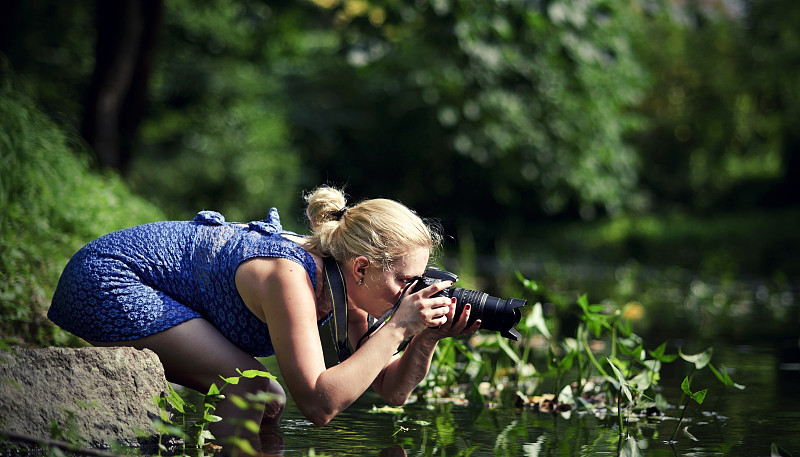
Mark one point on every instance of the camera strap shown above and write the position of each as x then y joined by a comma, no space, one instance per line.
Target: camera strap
338,292
383,319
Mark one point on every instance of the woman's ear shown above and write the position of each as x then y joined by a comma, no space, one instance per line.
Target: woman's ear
360,265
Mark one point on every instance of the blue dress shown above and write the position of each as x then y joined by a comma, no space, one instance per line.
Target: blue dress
142,280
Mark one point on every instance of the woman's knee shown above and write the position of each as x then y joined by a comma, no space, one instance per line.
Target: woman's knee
275,403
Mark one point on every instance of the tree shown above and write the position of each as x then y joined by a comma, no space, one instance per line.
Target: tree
126,41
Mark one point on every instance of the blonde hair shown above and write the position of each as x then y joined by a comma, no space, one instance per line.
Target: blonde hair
381,230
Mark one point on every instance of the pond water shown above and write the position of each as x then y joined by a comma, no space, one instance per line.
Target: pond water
730,422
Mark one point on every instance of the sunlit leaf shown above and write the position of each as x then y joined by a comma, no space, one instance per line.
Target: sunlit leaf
232,380
642,381
251,425
536,320
243,445
686,386
255,373
700,396
699,360
623,385
631,449
386,410
566,396
239,402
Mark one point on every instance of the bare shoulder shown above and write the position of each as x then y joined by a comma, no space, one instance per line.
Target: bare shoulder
266,282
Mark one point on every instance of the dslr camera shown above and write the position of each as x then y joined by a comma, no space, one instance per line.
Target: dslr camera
495,313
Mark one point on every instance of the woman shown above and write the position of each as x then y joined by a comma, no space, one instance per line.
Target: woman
209,296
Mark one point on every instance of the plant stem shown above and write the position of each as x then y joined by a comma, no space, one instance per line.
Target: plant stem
680,420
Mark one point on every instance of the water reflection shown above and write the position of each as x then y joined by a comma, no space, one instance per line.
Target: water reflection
730,423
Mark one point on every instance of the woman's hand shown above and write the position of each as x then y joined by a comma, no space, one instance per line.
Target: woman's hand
453,327
422,312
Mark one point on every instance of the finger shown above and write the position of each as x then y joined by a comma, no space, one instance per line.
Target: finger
444,302
474,327
436,287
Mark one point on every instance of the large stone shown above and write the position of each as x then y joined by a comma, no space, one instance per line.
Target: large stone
95,395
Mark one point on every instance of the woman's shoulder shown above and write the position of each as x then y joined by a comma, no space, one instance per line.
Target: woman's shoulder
260,269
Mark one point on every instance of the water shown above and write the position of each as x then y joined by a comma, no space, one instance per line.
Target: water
729,423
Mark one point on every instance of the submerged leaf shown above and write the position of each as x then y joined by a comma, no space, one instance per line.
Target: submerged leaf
689,435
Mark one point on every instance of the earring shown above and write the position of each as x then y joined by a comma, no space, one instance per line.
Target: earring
360,282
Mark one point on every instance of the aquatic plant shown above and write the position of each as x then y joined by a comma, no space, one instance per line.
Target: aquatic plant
604,366
175,412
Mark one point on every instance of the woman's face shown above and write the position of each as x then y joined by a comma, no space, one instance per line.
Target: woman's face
382,288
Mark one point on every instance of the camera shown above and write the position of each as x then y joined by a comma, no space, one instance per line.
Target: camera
495,313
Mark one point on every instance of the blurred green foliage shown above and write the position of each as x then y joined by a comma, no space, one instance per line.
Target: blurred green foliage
673,125
217,136
51,203
510,112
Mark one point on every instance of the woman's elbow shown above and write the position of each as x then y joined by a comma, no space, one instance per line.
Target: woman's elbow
318,416
396,399
320,421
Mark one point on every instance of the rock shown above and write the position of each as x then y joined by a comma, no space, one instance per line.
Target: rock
93,395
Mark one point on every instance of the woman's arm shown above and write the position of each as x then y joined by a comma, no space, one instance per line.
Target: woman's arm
404,373
281,289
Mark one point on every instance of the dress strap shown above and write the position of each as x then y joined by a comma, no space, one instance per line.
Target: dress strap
268,226
209,218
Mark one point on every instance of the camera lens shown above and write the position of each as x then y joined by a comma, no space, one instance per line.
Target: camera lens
495,313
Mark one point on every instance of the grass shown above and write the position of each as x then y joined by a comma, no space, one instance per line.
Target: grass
51,203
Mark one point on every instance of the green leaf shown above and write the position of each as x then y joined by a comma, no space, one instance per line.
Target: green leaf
635,352
255,373
251,425
232,380
239,402
642,381
533,286
699,360
243,445
658,354
623,385
631,449
503,343
699,396
686,386
724,378
536,320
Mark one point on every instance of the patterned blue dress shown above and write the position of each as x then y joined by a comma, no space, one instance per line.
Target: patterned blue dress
142,280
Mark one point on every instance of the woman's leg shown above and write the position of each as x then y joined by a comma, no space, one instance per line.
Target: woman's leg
195,354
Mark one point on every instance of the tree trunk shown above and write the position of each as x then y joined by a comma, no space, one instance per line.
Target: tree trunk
117,96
